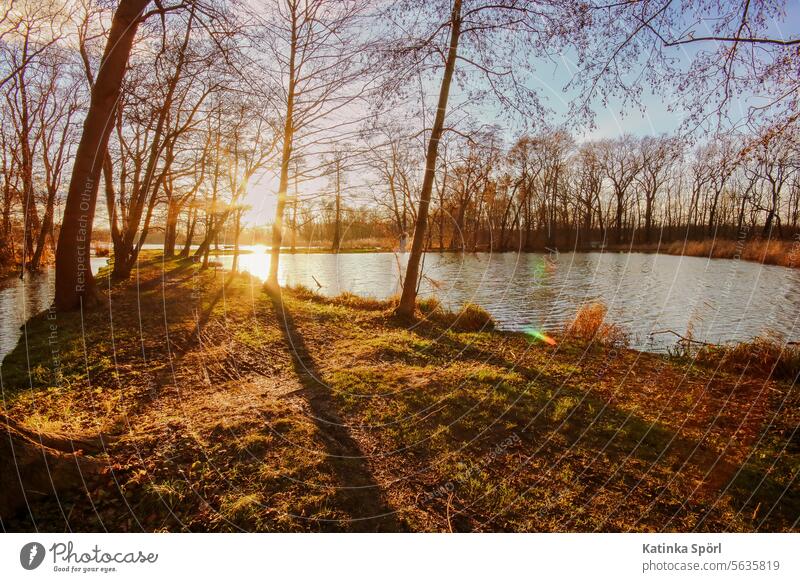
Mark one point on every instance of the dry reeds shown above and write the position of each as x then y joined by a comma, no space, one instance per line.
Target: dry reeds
763,356
590,325
101,249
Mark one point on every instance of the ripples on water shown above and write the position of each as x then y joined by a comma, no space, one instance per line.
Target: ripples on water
719,300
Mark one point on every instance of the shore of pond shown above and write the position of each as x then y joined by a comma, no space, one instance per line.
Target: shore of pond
228,407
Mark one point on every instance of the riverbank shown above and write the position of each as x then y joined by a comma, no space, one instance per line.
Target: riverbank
233,409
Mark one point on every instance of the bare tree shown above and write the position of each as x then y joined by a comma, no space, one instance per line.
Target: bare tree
319,70
734,51
75,285
657,154
479,35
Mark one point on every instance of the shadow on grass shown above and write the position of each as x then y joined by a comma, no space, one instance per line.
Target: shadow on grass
358,493
610,436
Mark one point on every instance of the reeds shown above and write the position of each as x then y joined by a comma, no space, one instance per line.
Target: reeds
590,325
766,356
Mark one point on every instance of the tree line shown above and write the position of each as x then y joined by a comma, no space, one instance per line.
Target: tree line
549,190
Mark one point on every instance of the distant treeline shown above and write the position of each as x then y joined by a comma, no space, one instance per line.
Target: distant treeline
547,190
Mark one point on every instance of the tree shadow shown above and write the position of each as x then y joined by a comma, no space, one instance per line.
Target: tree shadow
607,431
358,493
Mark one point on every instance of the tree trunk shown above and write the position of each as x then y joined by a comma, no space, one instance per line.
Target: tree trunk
337,227
38,464
75,286
191,221
237,229
620,202
648,218
171,228
409,296
44,230
286,156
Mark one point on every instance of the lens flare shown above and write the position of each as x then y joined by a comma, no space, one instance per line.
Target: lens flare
536,334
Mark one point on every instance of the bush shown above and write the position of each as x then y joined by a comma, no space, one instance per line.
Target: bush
590,325
470,317
101,250
429,305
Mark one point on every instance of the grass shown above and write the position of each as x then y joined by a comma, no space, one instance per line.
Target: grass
768,252
234,410
760,357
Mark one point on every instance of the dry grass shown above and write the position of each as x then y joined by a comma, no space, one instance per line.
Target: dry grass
590,325
470,317
101,249
358,302
763,357
380,243
768,252
429,305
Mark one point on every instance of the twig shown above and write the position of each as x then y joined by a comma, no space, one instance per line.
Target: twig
436,284
449,524
683,338
319,285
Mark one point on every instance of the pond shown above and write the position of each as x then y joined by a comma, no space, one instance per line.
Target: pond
21,299
718,300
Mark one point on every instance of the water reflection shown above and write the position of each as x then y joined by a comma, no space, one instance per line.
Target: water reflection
20,299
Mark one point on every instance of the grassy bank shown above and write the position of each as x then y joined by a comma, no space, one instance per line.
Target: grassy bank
232,409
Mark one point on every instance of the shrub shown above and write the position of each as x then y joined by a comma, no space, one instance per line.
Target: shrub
429,305
470,317
590,325
101,250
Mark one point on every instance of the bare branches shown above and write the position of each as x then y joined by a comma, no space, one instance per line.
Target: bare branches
735,52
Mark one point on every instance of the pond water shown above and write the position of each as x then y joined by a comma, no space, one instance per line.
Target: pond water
20,299
718,300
